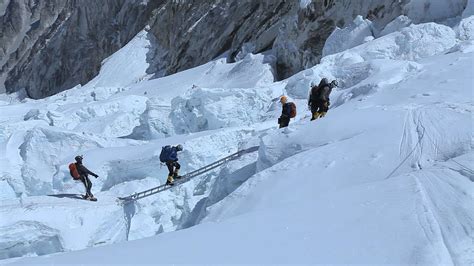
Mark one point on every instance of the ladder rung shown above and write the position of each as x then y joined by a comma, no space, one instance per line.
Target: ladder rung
188,176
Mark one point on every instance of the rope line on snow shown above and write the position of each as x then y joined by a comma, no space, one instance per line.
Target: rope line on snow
409,154
423,133
452,159
187,177
463,166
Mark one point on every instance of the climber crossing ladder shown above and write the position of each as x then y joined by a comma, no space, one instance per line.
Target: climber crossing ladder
185,178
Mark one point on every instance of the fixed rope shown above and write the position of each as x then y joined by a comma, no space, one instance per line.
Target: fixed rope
420,138
438,149
187,177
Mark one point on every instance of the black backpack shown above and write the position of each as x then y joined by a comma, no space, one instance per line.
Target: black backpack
315,93
165,153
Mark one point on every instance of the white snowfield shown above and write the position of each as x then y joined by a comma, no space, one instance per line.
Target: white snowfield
385,178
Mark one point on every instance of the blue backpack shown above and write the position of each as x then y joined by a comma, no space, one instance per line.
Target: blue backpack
165,153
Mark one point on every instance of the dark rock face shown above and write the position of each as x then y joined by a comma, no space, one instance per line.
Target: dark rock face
196,31
52,45
302,35
47,46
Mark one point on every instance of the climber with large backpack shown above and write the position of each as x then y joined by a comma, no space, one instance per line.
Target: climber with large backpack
288,111
79,172
169,156
318,101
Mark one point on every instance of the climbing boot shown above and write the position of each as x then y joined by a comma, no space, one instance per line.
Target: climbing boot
315,115
170,180
176,175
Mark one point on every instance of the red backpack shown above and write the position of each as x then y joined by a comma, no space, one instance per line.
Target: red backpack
73,171
292,109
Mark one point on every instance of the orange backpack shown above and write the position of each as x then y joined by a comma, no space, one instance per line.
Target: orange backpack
292,110
73,171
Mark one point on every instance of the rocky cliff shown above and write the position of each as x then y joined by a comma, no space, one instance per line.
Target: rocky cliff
47,46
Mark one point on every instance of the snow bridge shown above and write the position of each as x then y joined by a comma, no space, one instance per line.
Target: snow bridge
185,178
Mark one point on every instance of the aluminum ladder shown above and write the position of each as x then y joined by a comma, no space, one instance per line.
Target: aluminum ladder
185,178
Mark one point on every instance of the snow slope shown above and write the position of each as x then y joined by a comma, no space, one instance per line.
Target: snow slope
386,177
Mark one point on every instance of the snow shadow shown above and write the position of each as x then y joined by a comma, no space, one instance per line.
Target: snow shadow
71,196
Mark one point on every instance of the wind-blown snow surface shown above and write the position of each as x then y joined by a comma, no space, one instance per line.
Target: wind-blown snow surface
386,177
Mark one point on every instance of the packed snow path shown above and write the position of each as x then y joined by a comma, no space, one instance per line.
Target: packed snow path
185,178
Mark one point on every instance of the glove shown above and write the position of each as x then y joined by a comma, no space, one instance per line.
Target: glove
279,120
96,176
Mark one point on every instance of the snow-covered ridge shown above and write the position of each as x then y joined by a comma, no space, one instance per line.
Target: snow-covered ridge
385,177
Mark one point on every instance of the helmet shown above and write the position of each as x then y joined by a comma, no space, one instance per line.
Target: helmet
78,158
283,99
334,83
179,147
